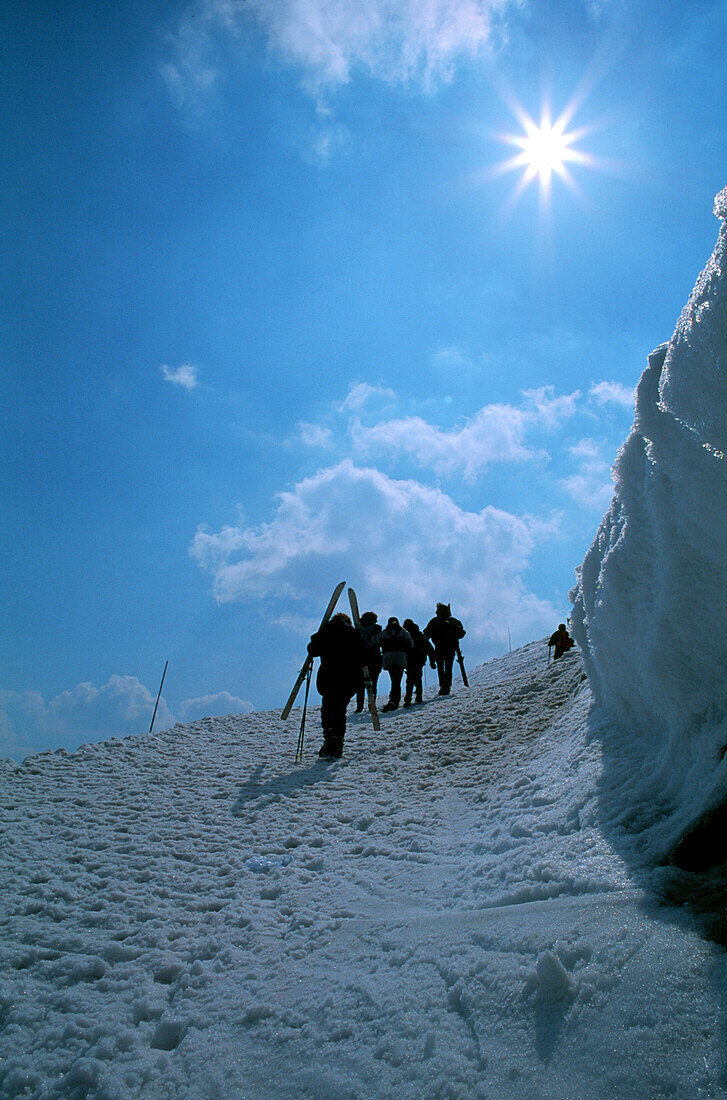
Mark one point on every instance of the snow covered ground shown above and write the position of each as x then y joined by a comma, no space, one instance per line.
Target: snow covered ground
460,907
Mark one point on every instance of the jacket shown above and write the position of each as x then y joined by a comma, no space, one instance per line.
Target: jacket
396,645
562,641
445,632
343,653
371,634
422,649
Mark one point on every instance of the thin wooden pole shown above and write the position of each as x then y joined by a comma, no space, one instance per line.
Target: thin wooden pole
158,697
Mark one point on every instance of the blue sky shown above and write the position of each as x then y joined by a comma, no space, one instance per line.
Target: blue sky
274,318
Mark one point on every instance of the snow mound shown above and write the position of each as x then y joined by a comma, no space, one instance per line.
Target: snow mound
650,608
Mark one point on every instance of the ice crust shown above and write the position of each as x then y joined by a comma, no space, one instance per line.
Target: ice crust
650,605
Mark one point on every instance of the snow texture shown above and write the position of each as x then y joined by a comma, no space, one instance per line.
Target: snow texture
453,910
650,608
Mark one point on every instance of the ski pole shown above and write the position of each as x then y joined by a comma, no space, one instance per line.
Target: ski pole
301,735
158,697
548,665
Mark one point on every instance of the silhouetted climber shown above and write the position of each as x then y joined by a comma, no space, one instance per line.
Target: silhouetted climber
421,649
342,652
371,633
445,632
395,648
562,641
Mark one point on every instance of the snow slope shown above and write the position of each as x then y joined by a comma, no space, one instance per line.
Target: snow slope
455,909
651,604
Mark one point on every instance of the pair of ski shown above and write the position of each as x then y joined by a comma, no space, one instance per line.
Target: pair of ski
306,670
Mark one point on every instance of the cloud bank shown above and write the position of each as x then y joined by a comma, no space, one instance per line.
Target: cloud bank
213,706
403,546
87,713
120,708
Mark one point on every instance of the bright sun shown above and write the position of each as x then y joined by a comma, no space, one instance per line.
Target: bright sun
546,149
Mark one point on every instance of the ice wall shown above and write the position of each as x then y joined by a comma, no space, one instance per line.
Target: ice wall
650,605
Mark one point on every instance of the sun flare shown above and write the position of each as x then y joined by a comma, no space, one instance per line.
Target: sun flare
546,149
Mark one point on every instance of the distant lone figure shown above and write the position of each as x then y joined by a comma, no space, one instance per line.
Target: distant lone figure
562,641
445,632
342,652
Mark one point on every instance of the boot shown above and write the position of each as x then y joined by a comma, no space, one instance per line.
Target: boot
328,748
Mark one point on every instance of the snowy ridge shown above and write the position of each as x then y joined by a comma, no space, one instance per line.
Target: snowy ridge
651,602
440,914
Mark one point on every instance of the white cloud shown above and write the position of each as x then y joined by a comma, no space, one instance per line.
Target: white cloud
396,40
497,433
451,358
453,362
361,394
596,8
591,485
185,375
190,71
213,706
547,409
123,706
605,393
329,141
403,546
314,435
393,40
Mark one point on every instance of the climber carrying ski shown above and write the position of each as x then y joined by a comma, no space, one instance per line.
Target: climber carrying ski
562,641
342,651
371,633
445,632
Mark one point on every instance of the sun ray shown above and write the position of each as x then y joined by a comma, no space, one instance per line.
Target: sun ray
544,150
